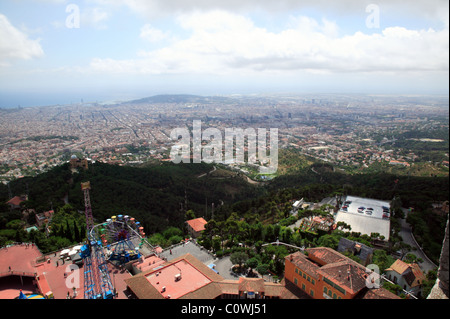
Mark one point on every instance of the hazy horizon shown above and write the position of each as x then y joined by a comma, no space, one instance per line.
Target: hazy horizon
59,52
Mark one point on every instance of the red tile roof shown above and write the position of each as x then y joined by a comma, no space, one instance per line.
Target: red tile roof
412,273
197,224
339,269
16,200
399,267
325,255
348,276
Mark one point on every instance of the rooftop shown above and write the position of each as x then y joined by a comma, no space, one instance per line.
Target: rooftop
197,224
183,276
50,271
177,279
339,269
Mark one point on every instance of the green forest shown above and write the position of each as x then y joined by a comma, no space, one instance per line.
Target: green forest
159,196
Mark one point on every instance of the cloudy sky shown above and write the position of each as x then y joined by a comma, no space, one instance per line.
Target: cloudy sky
62,51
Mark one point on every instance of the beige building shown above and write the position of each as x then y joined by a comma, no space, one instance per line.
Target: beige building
196,226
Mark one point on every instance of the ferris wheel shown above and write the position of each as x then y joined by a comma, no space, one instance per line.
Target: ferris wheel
122,235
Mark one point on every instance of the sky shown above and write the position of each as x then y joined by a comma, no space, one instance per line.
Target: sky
65,51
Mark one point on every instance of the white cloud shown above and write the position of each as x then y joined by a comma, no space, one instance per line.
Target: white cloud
152,34
221,42
94,17
432,9
16,44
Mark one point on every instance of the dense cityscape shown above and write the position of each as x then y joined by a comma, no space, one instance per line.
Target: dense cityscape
351,132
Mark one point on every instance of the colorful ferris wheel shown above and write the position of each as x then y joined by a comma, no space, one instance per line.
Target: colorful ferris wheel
122,236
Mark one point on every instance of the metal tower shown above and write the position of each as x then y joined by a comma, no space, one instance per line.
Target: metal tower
97,282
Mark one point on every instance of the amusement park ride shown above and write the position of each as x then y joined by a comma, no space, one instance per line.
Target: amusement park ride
114,241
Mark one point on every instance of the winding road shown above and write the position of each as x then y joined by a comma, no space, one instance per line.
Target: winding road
408,238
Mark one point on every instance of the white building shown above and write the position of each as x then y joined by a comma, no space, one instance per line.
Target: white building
408,276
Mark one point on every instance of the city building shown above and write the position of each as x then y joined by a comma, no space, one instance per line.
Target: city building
186,277
75,162
196,226
44,218
320,273
15,202
408,276
324,273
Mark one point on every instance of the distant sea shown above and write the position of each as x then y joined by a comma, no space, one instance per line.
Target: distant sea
15,100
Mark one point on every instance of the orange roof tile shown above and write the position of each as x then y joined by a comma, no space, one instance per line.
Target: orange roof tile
399,266
197,224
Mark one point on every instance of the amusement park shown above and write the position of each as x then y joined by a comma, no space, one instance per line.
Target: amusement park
116,261
92,270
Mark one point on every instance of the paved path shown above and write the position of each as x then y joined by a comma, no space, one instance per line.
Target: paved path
223,265
190,247
407,236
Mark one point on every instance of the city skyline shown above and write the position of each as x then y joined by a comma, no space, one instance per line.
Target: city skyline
59,52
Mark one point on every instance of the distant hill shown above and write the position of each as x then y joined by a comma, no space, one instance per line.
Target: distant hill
182,98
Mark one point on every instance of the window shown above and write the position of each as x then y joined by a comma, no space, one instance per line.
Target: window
332,284
296,270
304,275
334,296
313,281
325,290
309,279
295,281
311,292
303,287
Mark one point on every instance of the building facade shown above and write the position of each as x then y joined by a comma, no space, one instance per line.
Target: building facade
324,273
408,276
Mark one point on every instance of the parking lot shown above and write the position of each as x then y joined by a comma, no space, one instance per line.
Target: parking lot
364,220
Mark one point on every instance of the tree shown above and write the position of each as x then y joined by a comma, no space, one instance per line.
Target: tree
262,269
330,241
172,231
175,239
269,233
216,243
232,228
239,258
190,214
286,235
342,225
76,232
252,263
157,239
382,259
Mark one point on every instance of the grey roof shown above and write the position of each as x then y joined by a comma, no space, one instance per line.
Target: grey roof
349,245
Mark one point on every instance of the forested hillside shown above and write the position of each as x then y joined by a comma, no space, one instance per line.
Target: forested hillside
159,196
155,195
